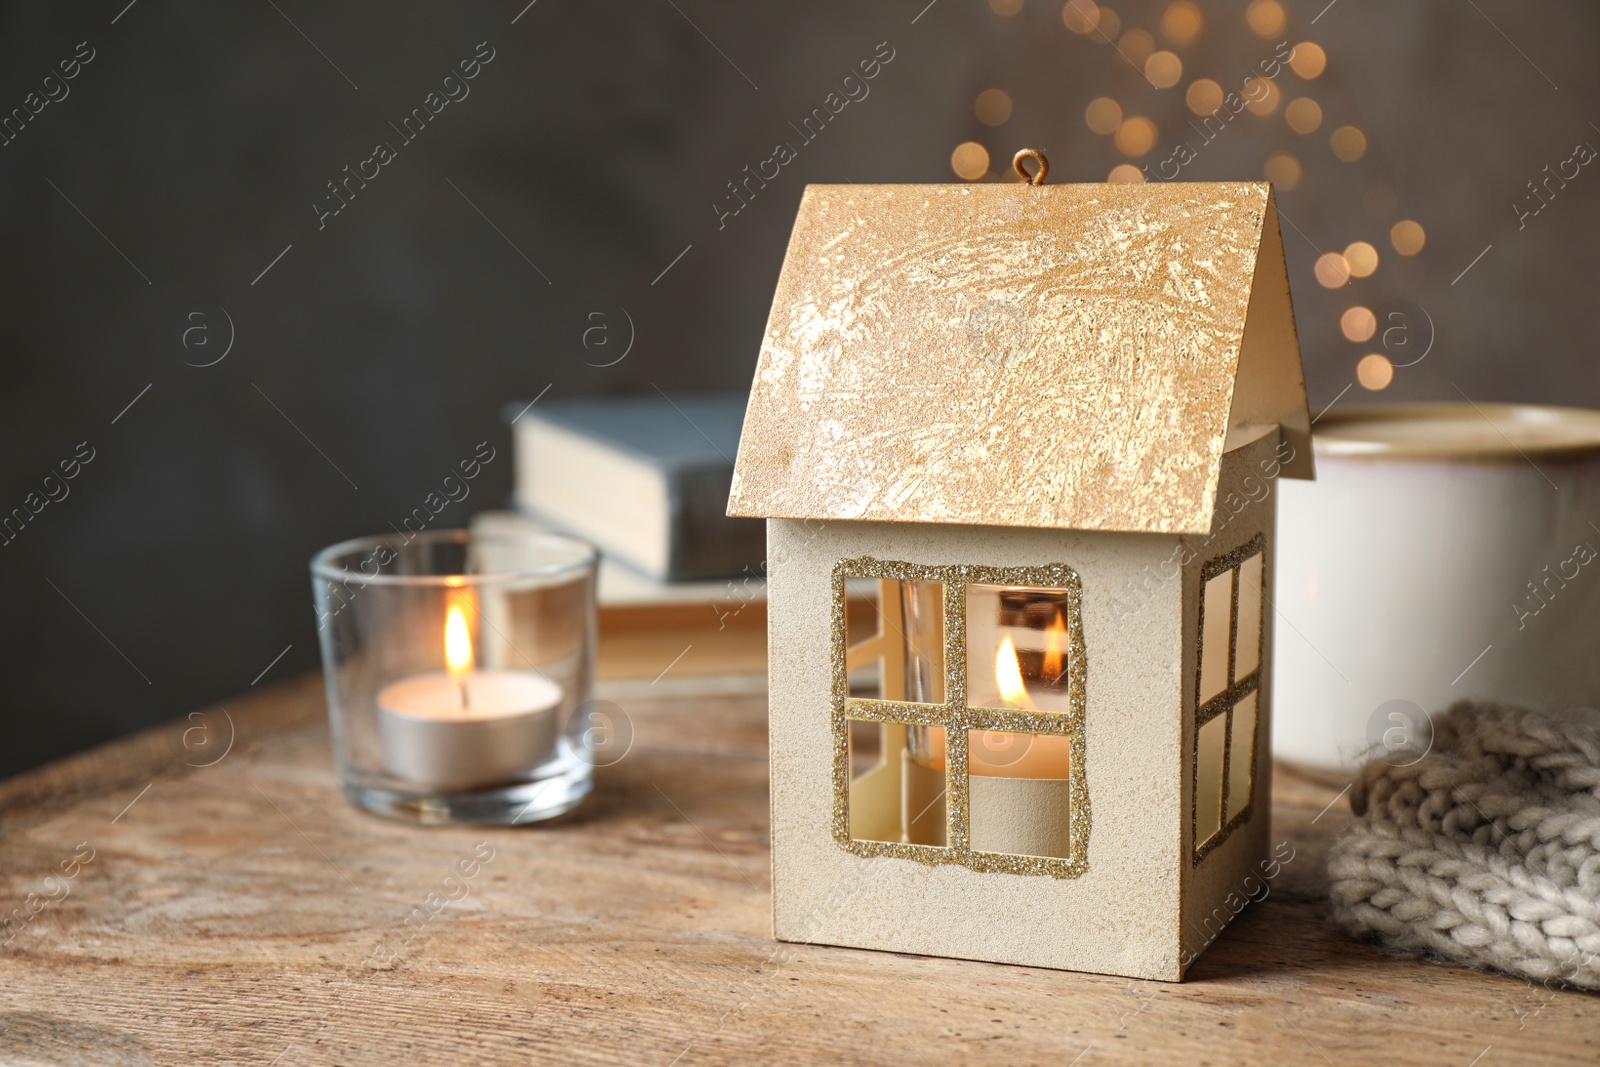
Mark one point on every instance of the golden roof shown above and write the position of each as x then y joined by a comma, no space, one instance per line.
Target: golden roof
1062,356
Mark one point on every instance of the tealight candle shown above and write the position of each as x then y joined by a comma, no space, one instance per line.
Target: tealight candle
463,728
459,665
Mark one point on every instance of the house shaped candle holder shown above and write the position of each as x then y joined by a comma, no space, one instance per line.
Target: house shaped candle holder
1045,422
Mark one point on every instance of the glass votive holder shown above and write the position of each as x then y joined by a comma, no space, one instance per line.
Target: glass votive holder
457,665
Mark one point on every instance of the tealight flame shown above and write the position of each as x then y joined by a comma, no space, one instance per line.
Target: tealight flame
1008,675
1055,649
458,643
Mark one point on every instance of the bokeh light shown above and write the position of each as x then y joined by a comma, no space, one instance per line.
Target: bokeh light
1331,270
970,161
1308,60
1137,46
1163,69
1125,172
1103,115
1136,136
1303,115
1358,323
993,107
1180,22
1349,143
1283,170
1081,16
1374,372
1266,17
1363,259
1005,8
1203,96
1259,101
1106,30
1408,237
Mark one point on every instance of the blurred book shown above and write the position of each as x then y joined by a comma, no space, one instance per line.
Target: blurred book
671,638
644,478
660,638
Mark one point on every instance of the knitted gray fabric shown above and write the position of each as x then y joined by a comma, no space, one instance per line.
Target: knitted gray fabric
1486,852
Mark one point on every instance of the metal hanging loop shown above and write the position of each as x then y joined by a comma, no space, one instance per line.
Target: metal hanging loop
1036,178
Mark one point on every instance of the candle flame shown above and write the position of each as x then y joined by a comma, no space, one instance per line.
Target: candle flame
1055,648
1008,675
457,643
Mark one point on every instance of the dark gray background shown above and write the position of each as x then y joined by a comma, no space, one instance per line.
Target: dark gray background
596,141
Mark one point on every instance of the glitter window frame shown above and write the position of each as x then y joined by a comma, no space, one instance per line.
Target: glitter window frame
1224,702
957,718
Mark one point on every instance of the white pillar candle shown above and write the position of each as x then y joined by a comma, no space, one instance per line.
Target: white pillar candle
468,730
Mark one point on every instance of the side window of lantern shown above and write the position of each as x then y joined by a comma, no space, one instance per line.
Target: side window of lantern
1227,693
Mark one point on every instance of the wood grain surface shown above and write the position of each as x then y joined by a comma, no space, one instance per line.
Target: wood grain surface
244,913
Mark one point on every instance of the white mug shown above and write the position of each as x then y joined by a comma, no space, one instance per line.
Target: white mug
1444,551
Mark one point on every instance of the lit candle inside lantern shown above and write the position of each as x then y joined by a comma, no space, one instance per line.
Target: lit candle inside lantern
993,753
1000,754
1008,675
464,728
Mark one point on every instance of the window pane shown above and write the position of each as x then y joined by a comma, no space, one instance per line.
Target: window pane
875,765
1002,754
1216,615
1208,780
1020,813
1241,750
895,649
922,803
1017,648
1248,652
873,810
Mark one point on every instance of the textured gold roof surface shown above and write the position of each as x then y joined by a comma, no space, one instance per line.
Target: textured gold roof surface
1053,356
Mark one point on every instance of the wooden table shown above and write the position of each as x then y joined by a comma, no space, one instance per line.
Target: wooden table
244,913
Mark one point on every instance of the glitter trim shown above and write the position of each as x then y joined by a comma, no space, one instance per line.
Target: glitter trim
1224,702
957,718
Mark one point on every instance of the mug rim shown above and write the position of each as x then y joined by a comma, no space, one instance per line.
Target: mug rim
1576,431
